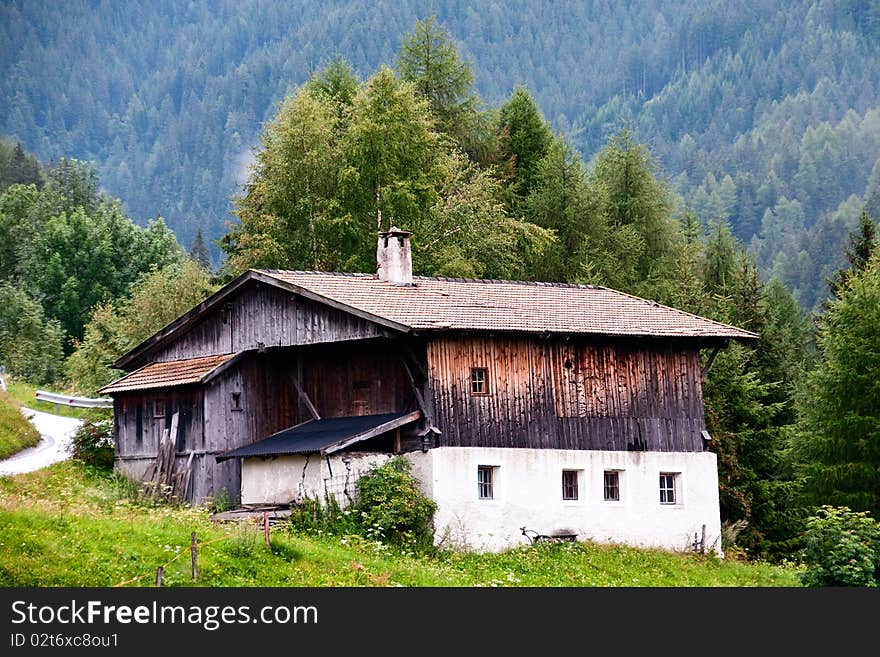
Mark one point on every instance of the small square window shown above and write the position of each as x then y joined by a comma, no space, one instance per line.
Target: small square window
159,408
667,487
612,486
479,381
569,484
485,482
236,401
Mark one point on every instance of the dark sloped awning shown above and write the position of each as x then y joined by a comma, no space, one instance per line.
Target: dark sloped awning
326,435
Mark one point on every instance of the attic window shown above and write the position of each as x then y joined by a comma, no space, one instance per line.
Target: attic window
159,408
479,381
236,401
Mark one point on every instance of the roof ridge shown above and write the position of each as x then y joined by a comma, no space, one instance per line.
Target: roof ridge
445,279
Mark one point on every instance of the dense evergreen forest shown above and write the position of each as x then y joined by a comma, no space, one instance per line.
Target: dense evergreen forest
728,169
765,114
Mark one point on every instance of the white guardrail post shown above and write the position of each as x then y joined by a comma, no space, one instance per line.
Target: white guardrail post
79,402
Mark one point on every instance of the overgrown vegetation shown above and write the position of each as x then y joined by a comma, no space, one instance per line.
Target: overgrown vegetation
389,507
71,525
16,433
842,549
92,444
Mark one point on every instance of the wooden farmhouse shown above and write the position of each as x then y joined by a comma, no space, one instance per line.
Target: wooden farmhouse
556,407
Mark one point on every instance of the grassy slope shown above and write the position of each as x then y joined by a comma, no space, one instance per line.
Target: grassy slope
16,433
66,526
24,394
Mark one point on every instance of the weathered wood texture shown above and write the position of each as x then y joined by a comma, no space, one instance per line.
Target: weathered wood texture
264,315
257,397
357,379
138,429
580,395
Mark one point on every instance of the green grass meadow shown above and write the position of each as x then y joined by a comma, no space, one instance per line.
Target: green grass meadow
69,525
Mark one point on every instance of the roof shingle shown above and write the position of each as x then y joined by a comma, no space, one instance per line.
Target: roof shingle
166,375
490,305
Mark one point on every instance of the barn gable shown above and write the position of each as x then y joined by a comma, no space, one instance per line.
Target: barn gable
254,312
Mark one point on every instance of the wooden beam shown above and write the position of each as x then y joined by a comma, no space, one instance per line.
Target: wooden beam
305,399
372,433
420,400
302,393
705,370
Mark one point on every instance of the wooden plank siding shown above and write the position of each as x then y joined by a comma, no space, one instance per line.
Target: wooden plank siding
138,431
357,379
583,394
264,315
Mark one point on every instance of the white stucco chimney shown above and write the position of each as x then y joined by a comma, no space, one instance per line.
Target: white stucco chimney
394,257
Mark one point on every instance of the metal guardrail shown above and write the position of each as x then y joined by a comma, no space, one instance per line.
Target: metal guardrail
79,402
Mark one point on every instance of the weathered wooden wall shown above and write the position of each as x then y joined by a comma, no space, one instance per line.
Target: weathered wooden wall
612,395
262,314
356,379
138,432
342,379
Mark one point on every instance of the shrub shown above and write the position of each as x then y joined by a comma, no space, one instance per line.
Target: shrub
393,507
93,443
842,549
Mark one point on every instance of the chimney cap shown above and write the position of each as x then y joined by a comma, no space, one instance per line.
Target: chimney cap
394,231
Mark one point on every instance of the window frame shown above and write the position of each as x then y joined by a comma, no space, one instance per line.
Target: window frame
235,401
572,486
484,485
159,408
670,488
484,381
615,487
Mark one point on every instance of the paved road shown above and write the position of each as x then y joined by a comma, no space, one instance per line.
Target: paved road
56,431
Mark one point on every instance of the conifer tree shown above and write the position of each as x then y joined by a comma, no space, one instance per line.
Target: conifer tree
429,59
837,443
199,250
862,243
527,138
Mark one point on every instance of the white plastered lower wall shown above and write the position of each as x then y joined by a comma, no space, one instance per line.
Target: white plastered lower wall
291,478
527,492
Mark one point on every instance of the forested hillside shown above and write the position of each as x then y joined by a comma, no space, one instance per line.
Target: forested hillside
766,114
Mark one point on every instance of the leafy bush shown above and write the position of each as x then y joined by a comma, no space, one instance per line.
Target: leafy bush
93,443
843,549
393,507
390,508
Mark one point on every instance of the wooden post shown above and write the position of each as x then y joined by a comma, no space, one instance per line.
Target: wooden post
703,541
194,549
159,572
266,527
397,441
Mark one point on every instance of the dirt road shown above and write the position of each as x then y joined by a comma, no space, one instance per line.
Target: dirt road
56,431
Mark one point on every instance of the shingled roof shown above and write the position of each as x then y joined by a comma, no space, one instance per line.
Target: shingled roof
166,375
437,303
